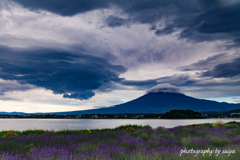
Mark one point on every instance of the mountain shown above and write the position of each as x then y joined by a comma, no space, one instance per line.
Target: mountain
161,102
13,113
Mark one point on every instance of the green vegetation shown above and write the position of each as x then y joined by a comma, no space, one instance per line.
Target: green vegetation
173,114
181,114
67,132
131,142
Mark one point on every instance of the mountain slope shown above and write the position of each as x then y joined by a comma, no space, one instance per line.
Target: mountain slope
161,102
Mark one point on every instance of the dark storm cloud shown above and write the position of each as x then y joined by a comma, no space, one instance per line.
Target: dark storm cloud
152,11
203,86
221,20
208,63
143,11
6,86
64,7
77,76
218,20
200,86
199,20
73,75
176,80
226,70
113,21
72,7
218,23
165,31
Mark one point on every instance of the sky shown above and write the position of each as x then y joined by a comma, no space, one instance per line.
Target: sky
71,55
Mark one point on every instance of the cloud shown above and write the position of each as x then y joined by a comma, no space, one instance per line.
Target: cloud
154,11
70,8
207,63
74,75
165,31
80,48
64,7
196,20
9,86
178,80
225,70
223,19
131,49
113,21
164,87
220,22
203,87
141,84
141,11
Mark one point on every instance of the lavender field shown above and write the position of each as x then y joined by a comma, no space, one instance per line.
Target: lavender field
129,142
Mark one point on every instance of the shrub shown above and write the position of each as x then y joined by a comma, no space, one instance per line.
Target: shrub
88,130
130,129
10,134
218,124
124,127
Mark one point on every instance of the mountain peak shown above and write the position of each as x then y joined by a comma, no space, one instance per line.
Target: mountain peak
164,88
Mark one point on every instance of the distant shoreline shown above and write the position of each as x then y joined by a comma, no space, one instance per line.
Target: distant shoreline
114,118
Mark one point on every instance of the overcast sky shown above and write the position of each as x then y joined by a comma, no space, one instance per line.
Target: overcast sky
82,54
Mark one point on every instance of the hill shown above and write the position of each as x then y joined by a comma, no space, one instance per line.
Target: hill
232,113
178,114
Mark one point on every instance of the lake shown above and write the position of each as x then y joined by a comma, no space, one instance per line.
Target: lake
72,124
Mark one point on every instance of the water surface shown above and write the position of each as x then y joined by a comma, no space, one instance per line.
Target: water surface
72,124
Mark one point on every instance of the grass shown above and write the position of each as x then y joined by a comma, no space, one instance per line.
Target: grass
67,132
133,142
